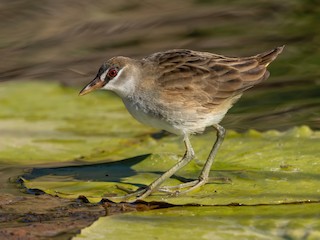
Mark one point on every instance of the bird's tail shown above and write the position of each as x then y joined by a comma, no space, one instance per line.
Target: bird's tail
267,57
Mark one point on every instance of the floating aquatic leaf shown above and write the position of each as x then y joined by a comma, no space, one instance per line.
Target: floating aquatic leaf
229,222
250,168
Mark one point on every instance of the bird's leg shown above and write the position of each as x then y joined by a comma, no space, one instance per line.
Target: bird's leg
204,175
142,193
188,156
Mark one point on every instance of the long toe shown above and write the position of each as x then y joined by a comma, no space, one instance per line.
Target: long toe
199,183
178,187
132,196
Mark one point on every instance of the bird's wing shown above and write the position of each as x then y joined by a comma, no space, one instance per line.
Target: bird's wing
208,78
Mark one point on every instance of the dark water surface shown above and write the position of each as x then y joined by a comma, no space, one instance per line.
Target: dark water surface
67,42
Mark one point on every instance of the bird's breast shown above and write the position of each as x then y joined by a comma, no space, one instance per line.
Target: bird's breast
149,115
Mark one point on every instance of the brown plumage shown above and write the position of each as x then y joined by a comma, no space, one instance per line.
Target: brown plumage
183,92
215,76
202,84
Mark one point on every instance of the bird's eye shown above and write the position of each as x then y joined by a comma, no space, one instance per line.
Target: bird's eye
112,72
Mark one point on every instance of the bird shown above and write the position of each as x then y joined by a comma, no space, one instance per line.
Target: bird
183,92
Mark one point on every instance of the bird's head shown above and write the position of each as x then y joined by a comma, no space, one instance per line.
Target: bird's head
117,74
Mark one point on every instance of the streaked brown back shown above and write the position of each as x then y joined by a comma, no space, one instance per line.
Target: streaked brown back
209,78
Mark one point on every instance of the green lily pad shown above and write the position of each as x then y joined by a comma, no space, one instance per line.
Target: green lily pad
46,123
247,222
102,147
264,168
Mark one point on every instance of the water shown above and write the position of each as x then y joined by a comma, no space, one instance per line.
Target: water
52,41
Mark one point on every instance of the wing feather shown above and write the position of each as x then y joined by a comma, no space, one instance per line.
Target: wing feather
207,79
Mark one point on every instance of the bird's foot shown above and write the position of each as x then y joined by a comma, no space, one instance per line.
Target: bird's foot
143,192
132,195
179,189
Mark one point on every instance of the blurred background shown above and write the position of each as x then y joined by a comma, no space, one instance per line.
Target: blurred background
66,41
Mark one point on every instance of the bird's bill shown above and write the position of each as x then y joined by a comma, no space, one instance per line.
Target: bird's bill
93,85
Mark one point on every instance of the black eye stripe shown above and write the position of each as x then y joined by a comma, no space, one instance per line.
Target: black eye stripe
102,69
